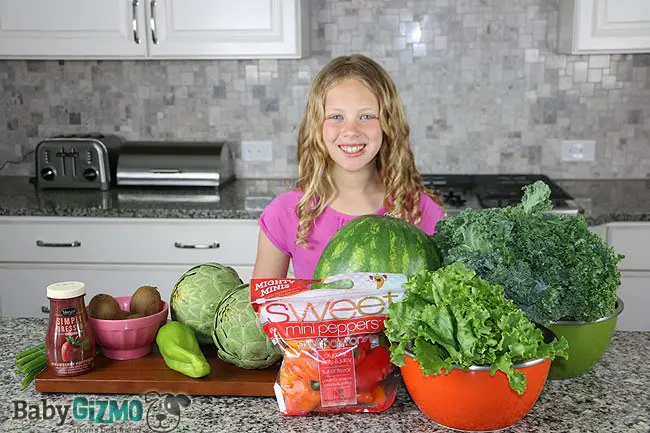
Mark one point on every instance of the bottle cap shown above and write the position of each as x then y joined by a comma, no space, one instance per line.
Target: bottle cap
66,290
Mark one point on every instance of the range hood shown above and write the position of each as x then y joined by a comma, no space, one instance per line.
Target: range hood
175,163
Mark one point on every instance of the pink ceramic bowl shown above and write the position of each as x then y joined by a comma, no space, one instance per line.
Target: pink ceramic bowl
128,338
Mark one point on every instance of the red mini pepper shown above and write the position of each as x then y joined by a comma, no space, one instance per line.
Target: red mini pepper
361,351
373,369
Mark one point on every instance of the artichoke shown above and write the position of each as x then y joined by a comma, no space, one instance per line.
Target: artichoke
197,294
238,334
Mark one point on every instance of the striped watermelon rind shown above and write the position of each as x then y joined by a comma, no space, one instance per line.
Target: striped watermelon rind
376,243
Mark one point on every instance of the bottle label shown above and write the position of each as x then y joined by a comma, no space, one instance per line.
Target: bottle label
70,343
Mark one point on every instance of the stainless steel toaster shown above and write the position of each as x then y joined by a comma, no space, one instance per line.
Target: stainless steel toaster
77,161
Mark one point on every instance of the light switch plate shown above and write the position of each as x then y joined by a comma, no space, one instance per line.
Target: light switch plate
257,151
578,150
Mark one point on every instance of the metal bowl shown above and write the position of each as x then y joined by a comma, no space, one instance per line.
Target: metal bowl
588,342
473,400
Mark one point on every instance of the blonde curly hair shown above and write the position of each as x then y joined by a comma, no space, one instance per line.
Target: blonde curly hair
394,161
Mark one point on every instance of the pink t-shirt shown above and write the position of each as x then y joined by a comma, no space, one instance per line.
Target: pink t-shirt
280,224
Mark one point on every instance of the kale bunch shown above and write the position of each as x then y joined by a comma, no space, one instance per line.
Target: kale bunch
551,266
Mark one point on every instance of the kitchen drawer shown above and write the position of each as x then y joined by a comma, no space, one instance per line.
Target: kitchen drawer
23,289
127,240
632,240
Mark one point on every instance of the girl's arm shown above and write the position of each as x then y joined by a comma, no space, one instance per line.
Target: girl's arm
270,261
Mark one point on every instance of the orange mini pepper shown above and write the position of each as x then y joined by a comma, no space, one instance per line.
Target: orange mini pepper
303,365
299,395
375,397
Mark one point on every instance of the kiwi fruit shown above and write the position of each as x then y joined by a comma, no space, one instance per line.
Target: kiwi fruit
146,300
104,307
124,314
134,316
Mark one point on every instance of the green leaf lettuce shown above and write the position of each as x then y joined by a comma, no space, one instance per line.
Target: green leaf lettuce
451,317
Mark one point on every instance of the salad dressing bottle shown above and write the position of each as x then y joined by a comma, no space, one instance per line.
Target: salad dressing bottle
69,343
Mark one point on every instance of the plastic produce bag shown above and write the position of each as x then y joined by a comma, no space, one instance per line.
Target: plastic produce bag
335,355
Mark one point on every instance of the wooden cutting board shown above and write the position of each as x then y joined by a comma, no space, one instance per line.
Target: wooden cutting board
139,376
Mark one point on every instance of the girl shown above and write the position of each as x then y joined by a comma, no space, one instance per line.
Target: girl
354,158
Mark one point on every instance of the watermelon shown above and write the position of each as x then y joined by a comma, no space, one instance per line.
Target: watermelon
375,243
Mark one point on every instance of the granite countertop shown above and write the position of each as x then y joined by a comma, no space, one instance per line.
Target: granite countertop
608,200
240,199
603,200
612,398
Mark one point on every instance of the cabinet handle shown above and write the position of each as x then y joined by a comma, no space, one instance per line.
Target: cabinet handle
136,35
73,244
154,33
197,246
45,309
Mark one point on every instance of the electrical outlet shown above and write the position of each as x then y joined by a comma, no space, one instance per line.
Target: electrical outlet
578,150
257,151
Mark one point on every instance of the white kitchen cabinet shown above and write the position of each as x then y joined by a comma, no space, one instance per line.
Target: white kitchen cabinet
604,26
112,255
129,240
65,29
23,293
242,29
600,230
635,293
154,29
632,239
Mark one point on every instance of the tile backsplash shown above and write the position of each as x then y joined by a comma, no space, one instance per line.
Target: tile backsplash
482,85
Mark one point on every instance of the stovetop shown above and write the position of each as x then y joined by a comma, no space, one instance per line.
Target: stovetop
481,191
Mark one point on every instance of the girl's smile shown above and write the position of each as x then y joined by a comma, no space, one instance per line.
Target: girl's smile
352,150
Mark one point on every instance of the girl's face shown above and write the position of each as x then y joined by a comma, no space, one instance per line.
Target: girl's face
351,129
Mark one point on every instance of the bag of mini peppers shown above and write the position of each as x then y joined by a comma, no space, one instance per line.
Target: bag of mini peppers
335,356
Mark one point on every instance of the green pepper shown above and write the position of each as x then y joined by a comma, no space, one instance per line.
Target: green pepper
180,350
